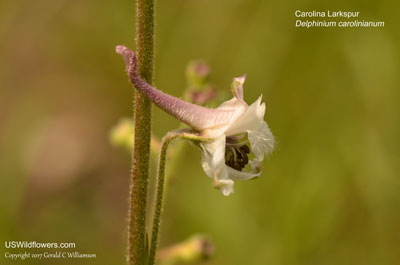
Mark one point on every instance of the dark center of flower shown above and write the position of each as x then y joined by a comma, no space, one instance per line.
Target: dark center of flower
236,156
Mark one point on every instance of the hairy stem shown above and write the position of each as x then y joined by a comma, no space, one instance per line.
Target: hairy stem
185,134
137,251
160,191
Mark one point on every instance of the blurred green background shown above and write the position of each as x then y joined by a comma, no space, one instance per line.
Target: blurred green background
329,194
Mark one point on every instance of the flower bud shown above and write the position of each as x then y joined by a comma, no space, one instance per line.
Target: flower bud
123,135
194,249
199,90
197,73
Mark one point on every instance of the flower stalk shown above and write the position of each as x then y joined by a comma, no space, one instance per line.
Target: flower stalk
160,191
137,251
169,138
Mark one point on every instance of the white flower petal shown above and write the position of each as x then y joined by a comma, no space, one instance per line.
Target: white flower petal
261,140
251,119
228,113
213,156
237,88
239,118
213,163
226,186
255,164
241,175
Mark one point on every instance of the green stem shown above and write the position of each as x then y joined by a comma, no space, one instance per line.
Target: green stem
171,136
137,251
160,191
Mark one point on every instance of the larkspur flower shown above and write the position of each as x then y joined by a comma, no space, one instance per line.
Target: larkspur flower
232,132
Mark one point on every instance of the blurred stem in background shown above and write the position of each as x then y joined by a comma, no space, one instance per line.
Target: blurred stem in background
137,239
